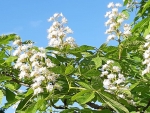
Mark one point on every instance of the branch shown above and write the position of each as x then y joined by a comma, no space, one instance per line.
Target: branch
58,107
19,82
95,106
15,80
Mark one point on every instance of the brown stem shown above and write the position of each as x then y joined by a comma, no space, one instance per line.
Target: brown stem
95,106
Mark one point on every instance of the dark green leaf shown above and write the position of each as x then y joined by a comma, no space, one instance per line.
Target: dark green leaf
10,96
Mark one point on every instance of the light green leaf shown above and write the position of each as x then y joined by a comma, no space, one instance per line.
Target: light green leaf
146,32
146,6
4,78
1,96
115,104
79,94
82,48
141,24
11,59
88,97
125,12
4,39
69,69
83,84
84,96
92,72
98,61
10,86
30,91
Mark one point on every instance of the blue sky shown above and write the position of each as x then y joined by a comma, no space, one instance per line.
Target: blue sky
28,19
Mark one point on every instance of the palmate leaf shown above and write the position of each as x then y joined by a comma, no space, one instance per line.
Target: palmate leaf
114,104
84,96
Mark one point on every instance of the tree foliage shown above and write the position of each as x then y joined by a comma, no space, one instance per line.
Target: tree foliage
100,80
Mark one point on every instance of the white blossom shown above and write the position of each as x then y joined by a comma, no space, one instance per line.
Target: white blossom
17,42
38,90
110,5
106,83
116,69
118,5
111,37
111,76
49,87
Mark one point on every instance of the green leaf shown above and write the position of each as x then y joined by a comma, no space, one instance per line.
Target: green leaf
141,24
114,103
134,85
32,108
4,78
146,32
2,54
69,69
125,2
84,96
1,96
10,86
52,48
127,92
24,102
61,59
10,96
10,103
146,6
98,61
54,60
4,39
29,92
83,84
59,69
11,59
82,48
79,94
92,72
126,13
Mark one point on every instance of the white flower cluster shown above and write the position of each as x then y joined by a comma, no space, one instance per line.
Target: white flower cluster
131,4
34,65
113,79
115,23
57,33
146,56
